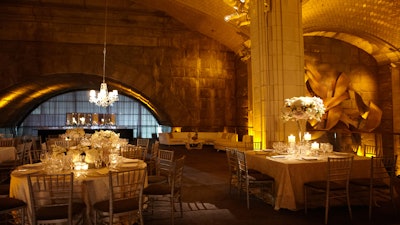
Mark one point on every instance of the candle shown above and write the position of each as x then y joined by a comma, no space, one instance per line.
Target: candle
307,136
315,146
291,139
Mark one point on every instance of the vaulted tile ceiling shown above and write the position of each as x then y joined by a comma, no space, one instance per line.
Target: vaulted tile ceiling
372,25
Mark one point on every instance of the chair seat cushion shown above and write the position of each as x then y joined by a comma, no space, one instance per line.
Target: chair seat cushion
377,183
157,179
10,203
120,206
157,189
321,185
58,212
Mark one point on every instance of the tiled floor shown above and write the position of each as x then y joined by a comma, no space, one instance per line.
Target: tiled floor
207,200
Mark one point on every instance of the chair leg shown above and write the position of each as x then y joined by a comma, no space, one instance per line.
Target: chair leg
349,205
326,208
371,201
305,200
172,210
180,205
247,195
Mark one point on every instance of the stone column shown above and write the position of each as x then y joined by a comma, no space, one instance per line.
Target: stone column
277,65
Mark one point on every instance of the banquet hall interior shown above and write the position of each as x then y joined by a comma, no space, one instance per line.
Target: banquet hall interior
201,76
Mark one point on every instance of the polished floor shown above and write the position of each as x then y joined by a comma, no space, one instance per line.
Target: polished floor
207,200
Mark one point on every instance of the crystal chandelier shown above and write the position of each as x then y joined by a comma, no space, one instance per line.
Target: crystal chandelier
104,98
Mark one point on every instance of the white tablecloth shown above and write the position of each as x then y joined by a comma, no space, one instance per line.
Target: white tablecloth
291,174
7,154
90,188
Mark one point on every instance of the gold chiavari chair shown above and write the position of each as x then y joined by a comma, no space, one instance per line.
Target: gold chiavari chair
250,180
336,184
381,181
125,199
170,191
164,162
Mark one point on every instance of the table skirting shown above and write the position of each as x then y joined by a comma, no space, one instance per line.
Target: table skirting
291,174
90,188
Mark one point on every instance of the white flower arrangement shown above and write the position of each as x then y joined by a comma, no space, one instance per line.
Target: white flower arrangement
303,108
74,134
105,139
58,150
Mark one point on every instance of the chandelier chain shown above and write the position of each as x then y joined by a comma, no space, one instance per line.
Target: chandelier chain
104,98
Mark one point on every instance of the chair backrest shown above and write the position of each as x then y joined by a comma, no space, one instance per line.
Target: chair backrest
143,142
370,150
154,150
7,142
177,175
242,163
51,190
34,156
383,168
232,160
339,168
126,187
164,163
23,152
132,152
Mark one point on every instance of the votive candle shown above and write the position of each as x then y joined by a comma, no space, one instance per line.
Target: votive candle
307,136
291,138
315,146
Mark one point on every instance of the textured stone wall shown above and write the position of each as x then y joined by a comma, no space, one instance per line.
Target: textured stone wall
187,77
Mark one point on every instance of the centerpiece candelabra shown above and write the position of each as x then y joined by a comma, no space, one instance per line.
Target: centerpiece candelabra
302,109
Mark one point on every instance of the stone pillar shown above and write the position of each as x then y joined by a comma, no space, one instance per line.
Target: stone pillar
277,65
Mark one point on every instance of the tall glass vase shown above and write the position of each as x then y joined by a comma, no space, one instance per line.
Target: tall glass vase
301,126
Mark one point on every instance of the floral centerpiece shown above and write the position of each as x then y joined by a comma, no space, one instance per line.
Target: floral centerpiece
104,139
301,109
74,134
102,143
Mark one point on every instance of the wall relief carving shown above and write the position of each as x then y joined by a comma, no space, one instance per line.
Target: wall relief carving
337,90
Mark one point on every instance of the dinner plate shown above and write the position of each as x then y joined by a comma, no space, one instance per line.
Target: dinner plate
267,150
32,165
21,172
278,156
309,158
126,160
128,165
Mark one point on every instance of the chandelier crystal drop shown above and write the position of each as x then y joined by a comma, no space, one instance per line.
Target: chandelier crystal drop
104,98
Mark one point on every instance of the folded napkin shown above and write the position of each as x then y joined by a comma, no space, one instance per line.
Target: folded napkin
127,160
278,156
309,158
103,171
22,172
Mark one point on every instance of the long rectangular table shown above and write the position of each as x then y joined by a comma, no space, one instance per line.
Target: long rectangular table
291,174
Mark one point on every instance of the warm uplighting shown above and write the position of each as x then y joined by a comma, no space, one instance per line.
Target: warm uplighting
104,98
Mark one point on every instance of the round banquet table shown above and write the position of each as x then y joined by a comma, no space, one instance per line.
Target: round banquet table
90,186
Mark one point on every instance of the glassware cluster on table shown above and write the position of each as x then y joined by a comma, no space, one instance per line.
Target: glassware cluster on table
302,149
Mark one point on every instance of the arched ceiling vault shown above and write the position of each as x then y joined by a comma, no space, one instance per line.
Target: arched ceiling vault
371,25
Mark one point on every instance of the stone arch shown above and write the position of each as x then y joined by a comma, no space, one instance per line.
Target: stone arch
19,100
